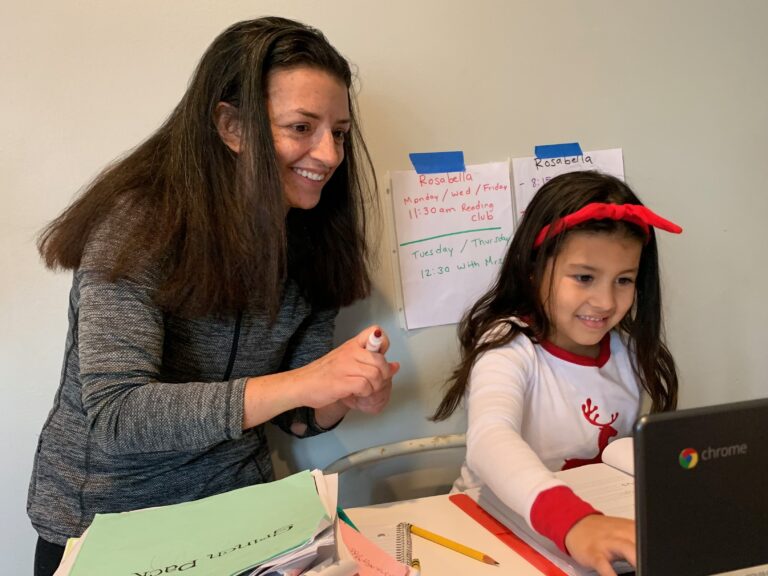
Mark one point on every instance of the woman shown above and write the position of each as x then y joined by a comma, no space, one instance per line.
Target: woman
209,265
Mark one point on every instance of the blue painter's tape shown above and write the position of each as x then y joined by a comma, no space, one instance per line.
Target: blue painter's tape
558,150
437,162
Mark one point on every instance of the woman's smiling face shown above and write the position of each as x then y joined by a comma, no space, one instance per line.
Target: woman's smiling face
309,114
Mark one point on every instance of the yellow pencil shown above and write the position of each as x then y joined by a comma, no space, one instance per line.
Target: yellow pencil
466,550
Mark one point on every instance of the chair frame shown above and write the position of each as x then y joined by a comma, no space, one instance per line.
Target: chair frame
393,449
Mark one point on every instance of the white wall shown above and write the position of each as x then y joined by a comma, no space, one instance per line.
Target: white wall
680,86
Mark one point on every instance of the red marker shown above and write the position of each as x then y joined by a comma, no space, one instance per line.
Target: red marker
374,341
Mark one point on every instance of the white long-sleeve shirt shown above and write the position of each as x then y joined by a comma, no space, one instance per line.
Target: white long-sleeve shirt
536,408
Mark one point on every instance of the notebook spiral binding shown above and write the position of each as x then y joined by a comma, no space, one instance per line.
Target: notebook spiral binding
403,543
394,539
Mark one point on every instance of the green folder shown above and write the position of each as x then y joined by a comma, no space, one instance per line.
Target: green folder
220,535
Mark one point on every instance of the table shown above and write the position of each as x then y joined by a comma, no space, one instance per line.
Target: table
440,515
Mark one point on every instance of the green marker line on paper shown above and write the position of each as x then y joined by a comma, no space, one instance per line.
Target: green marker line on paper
450,234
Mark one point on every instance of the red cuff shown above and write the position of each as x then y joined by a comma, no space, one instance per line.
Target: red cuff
555,511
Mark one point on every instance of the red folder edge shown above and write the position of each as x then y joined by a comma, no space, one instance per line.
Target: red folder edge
482,517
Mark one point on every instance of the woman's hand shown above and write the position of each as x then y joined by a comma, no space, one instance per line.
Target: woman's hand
362,380
348,377
595,541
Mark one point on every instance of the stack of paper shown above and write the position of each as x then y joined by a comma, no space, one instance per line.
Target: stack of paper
285,527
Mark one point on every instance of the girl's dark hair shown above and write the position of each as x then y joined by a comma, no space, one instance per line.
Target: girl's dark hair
488,324
216,219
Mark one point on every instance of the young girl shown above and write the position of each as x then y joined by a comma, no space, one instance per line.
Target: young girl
556,354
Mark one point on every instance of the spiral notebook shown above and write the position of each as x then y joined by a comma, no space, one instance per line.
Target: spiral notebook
395,540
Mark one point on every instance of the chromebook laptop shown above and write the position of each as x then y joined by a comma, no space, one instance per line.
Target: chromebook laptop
701,491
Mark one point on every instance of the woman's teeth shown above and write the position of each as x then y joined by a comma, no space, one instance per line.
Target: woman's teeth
310,175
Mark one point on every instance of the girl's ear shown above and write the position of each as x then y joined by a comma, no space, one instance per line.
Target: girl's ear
227,121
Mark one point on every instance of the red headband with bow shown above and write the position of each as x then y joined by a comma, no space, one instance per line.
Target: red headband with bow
634,213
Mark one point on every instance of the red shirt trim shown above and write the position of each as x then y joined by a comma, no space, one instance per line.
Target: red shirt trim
555,511
602,357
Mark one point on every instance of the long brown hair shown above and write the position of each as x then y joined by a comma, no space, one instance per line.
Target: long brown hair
215,219
515,294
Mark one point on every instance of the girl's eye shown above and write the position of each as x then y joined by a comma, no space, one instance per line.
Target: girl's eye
626,281
301,128
583,278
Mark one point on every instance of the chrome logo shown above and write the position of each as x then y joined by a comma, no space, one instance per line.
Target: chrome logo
688,458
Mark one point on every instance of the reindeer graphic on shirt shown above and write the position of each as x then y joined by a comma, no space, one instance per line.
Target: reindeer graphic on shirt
607,432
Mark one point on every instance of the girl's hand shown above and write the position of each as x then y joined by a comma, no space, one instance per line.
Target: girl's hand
362,380
595,541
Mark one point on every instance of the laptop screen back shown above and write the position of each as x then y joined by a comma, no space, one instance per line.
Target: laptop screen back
701,499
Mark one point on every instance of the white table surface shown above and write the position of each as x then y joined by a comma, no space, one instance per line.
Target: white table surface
439,515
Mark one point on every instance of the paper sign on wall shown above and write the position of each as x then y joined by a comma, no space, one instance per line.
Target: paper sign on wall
532,173
452,231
